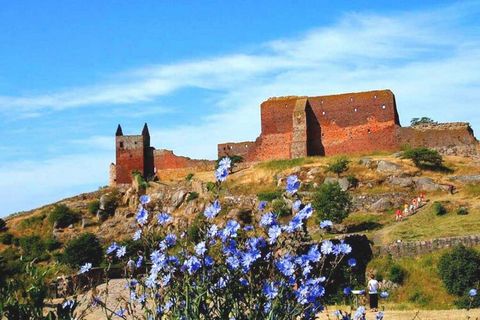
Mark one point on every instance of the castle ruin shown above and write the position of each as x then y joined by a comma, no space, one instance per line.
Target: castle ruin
293,127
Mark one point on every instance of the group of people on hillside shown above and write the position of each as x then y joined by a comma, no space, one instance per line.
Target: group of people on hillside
410,208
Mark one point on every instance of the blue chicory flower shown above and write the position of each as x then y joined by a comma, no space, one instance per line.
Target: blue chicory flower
384,294
326,224
121,251
85,268
347,291
352,262
170,240
262,205
164,218
273,233
200,248
112,248
142,216
144,199
293,184
270,290
137,235
472,292
212,210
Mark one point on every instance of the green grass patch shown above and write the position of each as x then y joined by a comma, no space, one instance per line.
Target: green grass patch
472,189
284,164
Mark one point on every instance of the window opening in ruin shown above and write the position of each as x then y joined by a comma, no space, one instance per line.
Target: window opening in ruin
121,145
369,131
356,109
383,107
375,97
246,146
323,112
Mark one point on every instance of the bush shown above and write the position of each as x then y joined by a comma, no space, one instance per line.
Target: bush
419,297
52,244
462,211
189,176
353,181
3,224
194,231
32,222
111,202
62,216
338,166
459,270
439,209
269,196
422,120
331,203
424,158
93,207
280,207
6,238
397,274
33,247
83,249
192,196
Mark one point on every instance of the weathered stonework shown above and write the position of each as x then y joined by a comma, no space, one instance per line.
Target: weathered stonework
348,123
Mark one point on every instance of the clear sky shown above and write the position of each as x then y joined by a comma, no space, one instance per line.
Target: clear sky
197,71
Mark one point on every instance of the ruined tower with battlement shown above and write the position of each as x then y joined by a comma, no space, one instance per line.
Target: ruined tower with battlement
133,153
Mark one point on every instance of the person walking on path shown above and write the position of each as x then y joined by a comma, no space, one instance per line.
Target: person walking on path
372,288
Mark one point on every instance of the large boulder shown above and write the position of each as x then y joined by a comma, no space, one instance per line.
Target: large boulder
403,182
384,166
426,184
367,162
382,204
342,182
86,222
178,197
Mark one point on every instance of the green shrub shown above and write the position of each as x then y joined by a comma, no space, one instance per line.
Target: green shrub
6,238
396,274
424,158
439,209
192,196
93,207
459,270
189,176
63,216
52,244
33,247
195,228
32,222
331,203
269,196
3,224
280,207
422,120
83,249
462,211
338,165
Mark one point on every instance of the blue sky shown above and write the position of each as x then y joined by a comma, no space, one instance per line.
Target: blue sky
196,71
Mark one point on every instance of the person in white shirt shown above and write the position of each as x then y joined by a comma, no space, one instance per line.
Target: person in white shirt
372,288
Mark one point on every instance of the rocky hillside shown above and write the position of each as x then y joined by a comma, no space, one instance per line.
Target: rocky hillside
378,184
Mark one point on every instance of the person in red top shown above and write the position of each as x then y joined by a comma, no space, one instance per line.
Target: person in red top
398,215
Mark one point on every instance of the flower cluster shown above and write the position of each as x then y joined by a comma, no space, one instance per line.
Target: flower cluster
230,271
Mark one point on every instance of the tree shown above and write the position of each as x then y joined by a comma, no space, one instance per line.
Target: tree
459,270
422,120
3,224
424,157
331,203
83,249
338,166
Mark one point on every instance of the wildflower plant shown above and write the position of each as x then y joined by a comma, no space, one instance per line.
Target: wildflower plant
268,270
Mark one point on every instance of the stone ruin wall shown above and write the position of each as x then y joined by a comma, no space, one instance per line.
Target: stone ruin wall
454,138
414,248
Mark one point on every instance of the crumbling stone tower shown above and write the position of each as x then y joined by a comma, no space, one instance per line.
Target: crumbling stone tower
133,153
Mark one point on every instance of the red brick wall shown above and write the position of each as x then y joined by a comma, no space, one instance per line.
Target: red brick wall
236,149
166,159
354,122
129,157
